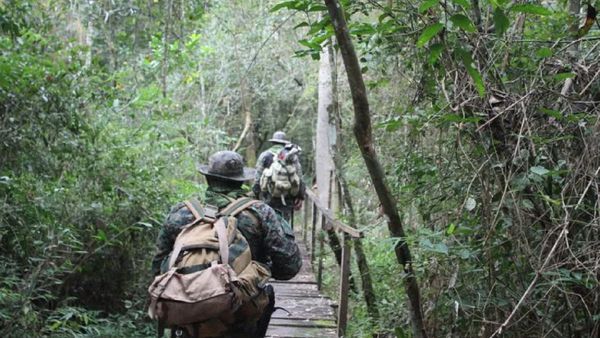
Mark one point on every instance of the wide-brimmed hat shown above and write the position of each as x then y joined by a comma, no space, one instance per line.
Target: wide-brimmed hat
279,137
228,165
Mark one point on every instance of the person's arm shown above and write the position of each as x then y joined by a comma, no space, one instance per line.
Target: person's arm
258,173
178,217
279,244
302,187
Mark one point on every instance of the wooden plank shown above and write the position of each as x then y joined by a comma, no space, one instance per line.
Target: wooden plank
303,322
300,332
308,308
283,290
310,313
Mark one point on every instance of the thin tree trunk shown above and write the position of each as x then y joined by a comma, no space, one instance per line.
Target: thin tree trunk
249,137
165,65
363,134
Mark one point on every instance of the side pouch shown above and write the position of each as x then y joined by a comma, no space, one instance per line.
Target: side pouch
252,279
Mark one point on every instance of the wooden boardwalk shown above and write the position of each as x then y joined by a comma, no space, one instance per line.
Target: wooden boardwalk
311,313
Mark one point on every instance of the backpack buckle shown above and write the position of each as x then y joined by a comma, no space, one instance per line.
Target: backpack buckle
211,211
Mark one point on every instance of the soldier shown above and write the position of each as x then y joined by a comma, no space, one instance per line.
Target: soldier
290,202
270,238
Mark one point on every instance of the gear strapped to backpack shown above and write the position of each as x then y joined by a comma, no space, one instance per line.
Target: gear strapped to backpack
212,281
281,179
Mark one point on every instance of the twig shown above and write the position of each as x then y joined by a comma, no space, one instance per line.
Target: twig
247,124
590,83
538,273
504,110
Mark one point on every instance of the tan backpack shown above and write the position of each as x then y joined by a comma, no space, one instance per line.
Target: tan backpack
212,281
281,179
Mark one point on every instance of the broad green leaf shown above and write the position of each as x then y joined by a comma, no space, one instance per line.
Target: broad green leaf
317,8
563,76
539,170
427,5
362,29
531,9
463,3
543,52
310,44
463,22
316,27
501,22
435,51
429,33
285,4
471,70
302,24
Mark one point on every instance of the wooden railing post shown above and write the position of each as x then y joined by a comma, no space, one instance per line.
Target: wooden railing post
305,222
314,233
321,252
344,287
328,221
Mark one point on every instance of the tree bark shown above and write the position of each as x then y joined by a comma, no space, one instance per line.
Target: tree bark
363,134
323,159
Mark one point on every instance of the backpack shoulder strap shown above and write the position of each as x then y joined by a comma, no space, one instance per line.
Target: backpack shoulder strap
238,206
207,213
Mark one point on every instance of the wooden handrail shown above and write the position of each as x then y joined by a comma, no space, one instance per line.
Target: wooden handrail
355,233
328,220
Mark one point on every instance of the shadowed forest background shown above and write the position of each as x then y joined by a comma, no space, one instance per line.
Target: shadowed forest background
485,119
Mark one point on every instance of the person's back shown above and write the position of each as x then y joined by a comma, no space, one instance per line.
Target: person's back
290,200
270,239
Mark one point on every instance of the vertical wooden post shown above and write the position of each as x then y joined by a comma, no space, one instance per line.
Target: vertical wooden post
305,223
321,253
313,233
344,287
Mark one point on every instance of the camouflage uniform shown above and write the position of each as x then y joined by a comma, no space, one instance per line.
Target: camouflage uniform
271,240
264,161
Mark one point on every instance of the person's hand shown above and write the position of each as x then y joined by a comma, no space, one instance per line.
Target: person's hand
297,204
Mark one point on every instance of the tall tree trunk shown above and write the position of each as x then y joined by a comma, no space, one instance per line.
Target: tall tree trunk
344,193
323,159
363,134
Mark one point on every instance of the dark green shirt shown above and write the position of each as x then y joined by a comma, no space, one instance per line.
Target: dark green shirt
270,237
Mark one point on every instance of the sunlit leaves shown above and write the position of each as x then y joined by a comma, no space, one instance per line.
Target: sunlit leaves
429,33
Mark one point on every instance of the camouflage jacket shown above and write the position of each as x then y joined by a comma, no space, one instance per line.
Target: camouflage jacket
263,162
270,238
